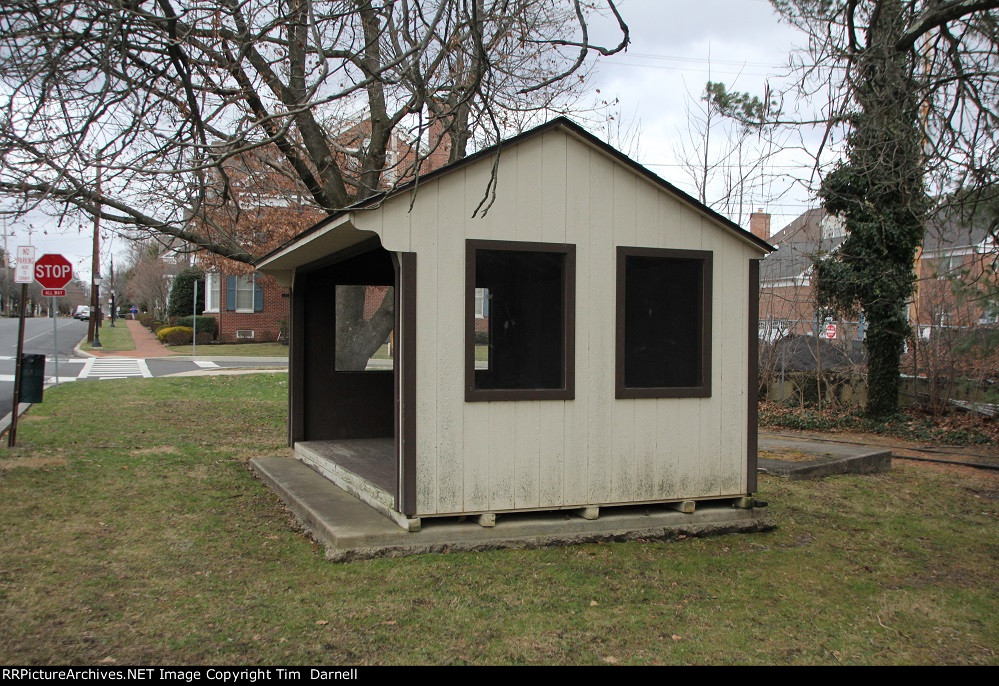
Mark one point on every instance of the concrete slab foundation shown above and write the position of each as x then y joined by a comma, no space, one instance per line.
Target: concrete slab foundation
821,459
351,530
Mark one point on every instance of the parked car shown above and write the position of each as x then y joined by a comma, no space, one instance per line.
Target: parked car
82,313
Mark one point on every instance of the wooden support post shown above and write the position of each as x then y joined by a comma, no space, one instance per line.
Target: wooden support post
589,512
686,506
487,520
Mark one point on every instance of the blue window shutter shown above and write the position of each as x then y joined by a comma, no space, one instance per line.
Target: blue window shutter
258,295
230,292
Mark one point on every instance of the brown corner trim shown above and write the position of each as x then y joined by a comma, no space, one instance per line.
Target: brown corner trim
407,319
752,391
296,362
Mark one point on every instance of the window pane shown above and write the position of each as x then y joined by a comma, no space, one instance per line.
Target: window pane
214,286
244,292
524,332
482,328
663,312
364,338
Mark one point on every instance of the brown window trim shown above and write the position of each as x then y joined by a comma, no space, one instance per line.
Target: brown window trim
702,391
568,391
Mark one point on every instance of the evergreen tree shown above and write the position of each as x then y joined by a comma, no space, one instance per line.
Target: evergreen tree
182,293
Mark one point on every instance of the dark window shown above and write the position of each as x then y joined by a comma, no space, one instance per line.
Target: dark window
519,313
663,323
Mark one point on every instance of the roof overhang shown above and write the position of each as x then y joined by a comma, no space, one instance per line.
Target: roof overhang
326,238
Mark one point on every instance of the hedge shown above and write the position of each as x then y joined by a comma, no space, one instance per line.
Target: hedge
175,335
181,335
206,324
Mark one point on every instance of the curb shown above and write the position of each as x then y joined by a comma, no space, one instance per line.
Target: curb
5,422
78,351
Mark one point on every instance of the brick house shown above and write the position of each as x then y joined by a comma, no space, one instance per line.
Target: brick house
250,306
954,248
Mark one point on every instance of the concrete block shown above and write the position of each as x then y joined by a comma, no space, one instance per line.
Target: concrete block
353,530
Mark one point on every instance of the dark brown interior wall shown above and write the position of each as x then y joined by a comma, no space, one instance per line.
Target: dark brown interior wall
337,405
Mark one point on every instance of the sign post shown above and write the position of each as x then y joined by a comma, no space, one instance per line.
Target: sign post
23,274
53,272
55,337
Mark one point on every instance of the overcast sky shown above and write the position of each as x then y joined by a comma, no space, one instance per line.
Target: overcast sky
676,47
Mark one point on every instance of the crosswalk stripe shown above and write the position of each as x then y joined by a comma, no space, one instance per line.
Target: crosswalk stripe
105,368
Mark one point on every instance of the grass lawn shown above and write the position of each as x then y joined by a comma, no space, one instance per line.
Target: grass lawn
114,339
235,349
140,536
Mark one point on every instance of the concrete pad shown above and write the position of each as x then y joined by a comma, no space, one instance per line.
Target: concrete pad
352,530
822,459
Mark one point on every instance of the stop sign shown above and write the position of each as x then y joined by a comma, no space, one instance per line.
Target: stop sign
53,271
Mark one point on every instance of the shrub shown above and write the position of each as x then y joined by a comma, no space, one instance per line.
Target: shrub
154,325
204,338
175,335
145,319
206,324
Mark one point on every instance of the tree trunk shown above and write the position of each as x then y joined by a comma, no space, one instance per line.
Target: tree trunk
357,338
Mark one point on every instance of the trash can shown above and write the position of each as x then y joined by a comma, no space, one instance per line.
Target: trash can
32,378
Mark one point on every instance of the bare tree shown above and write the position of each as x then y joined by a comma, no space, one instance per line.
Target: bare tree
728,162
146,279
163,92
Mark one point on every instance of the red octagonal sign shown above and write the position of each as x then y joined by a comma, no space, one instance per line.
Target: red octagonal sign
53,271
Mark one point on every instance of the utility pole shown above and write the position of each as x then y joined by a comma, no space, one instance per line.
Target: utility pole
114,305
95,261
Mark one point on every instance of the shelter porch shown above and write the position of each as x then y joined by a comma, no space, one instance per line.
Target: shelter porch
365,467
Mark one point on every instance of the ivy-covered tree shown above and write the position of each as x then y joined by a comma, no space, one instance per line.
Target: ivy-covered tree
879,193
912,83
182,293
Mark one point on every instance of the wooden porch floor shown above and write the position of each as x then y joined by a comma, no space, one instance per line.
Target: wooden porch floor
372,459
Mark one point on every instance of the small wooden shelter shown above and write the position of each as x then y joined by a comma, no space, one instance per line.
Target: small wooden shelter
543,325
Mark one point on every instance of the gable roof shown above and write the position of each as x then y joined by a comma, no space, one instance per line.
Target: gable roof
801,241
558,123
954,228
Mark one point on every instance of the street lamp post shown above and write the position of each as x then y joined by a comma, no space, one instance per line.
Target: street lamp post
96,314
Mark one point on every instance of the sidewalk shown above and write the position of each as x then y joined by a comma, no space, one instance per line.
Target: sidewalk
148,346
146,343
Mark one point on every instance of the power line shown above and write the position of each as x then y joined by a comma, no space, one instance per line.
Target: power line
688,69
703,60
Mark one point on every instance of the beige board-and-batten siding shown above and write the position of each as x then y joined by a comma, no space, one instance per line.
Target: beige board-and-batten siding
593,450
